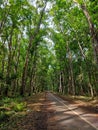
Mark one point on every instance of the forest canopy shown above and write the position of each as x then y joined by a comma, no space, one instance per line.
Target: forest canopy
48,45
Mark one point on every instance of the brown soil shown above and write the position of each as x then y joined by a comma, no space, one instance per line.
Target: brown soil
34,118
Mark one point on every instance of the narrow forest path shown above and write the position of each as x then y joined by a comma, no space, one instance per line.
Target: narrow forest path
49,112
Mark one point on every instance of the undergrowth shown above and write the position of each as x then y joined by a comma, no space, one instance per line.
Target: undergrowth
9,108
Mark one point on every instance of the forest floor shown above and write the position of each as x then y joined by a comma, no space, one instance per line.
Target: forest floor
39,115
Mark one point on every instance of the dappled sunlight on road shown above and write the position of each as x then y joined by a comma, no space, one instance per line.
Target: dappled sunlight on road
64,117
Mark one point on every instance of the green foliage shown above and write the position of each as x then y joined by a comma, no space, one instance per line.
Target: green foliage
19,107
9,106
93,8
5,115
39,47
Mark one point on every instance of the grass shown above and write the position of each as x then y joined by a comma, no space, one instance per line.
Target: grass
85,99
13,110
10,107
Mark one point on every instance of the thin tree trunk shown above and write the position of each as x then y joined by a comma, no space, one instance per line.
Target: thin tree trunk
71,70
9,63
60,81
32,73
16,58
22,89
88,71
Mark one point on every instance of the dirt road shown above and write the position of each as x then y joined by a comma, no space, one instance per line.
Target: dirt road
46,111
64,116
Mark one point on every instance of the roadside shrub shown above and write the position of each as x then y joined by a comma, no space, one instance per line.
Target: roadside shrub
19,107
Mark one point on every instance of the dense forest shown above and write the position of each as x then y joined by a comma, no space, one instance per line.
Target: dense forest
48,45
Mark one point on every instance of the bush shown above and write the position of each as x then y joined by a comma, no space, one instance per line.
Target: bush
19,107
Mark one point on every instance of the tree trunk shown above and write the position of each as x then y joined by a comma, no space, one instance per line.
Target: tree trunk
71,77
22,89
8,82
60,81
88,71
31,82
92,32
16,58
32,37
